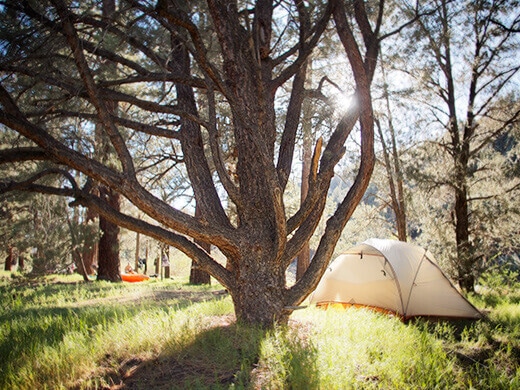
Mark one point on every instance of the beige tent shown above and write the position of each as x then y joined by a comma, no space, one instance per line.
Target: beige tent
392,276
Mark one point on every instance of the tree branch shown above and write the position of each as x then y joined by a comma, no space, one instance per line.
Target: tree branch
148,203
22,154
181,20
130,124
337,222
17,186
230,187
305,48
205,261
104,116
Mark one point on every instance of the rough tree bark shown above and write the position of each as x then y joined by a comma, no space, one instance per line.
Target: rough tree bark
108,254
304,256
108,247
197,275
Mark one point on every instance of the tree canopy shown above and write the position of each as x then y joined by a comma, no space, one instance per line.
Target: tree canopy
195,84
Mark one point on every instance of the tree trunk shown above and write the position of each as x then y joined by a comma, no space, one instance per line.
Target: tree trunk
90,246
401,218
258,297
157,262
394,175
393,167
9,259
197,275
137,250
77,256
108,247
108,254
244,79
21,263
89,258
146,257
466,276
165,262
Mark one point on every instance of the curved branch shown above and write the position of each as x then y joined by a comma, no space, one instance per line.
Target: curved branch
417,15
90,47
23,185
494,196
148,203
128,123
156,77
230,187
288,141
116,139
22,154
188,247
179,19
106,94
305,48
337,222
511,28
192,250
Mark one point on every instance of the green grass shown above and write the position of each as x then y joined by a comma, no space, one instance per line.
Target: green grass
59,333
53,335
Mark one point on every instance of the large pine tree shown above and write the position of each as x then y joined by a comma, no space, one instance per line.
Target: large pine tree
202,79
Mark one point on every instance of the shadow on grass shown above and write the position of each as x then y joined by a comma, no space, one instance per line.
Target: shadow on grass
223,357
24,330
215,359
218,355
487,350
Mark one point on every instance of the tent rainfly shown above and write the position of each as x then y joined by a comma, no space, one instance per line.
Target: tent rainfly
392,276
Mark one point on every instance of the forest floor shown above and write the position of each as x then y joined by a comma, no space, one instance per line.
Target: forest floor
59,332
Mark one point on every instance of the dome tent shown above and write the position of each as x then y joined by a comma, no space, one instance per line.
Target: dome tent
392,276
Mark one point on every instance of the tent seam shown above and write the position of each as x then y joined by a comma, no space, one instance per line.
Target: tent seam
413,283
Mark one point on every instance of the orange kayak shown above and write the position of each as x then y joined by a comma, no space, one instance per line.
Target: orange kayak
134,277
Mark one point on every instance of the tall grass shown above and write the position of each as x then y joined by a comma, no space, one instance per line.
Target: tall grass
359,349
166,335
53,336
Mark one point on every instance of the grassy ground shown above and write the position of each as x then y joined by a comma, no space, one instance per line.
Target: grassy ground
59,333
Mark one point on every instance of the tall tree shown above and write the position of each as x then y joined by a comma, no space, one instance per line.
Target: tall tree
175,81
108,246
471,64
392,163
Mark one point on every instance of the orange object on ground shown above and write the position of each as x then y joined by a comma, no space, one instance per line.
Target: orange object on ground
134,277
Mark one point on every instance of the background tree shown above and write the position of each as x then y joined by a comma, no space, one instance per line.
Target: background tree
392,162
39,232
470,65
